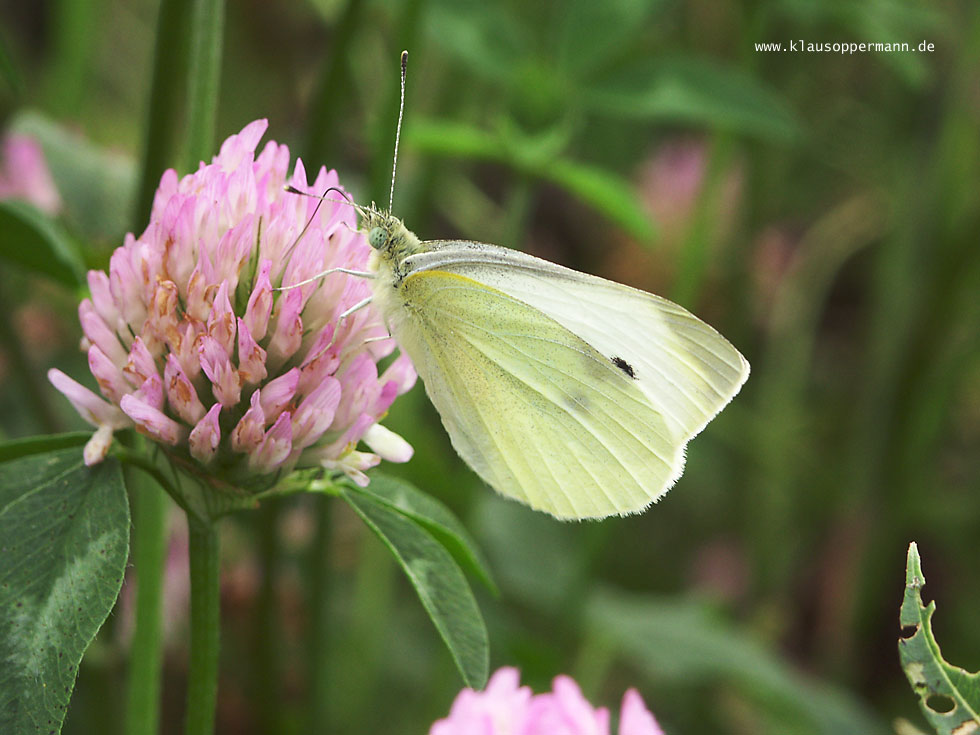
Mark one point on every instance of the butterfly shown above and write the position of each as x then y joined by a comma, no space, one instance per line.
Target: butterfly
565,391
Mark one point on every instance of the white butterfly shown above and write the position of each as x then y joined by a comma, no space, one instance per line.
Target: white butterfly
565,391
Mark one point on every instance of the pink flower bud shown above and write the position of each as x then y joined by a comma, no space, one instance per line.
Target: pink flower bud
249,432
185,346
99,334
288,333
260,302
98,285
151,421
275,446
89,406
107,375
278,393
205,436
221,320
162,318
315,414
402,373
140,364
225,381
197,305
181,393
251,357
151,392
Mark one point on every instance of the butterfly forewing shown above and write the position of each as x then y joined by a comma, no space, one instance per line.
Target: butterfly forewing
687,370
537,411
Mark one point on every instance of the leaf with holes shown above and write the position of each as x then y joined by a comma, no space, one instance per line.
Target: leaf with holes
949,696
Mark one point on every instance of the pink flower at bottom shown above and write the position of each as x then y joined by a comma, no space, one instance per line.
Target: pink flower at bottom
506,708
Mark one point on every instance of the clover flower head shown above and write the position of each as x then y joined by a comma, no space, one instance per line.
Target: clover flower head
197,338
506,708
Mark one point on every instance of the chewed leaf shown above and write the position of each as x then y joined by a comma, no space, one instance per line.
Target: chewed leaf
949,696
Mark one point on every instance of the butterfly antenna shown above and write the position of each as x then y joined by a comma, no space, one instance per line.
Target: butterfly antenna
398,131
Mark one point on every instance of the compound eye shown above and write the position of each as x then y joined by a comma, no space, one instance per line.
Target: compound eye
377,238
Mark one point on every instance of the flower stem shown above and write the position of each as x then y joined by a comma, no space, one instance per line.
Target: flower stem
267,678
202,680
332,85
320,582
207,32
163,118
146,651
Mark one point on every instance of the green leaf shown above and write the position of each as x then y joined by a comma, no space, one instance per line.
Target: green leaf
694,91
64,539
37,444
435,517
445,138
483,36
32,240
437,580
948,695
607,193
590,32
683,641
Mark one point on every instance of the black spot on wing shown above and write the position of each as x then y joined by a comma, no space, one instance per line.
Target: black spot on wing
624,366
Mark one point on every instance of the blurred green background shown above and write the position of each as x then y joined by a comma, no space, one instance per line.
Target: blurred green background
821,210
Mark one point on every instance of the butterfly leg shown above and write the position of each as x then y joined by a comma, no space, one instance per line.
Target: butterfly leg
318,276
359,305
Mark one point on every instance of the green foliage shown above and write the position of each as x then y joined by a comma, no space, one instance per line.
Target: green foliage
438,581
683,640
948,695
65,531
832,237
694,91
435,517
96,184
35,242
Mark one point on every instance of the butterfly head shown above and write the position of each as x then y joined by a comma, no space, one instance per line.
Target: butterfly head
387,234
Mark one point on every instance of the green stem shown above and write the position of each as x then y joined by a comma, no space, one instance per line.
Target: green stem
266,678
383,133
332,86
518,211
73,45
163,112
146,651
320,581
202,680
204,78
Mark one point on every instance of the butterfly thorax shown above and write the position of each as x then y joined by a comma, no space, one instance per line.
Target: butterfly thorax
391,240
